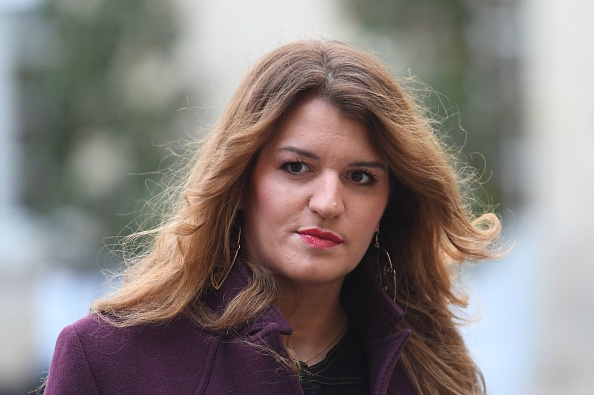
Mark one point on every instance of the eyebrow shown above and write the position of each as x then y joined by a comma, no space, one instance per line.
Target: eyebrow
311,155
299,151
375,165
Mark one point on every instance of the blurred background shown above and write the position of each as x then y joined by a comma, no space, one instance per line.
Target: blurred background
95,94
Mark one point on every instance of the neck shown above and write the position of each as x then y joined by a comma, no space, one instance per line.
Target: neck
318,320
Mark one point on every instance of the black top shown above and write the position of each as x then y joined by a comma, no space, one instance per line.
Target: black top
343,372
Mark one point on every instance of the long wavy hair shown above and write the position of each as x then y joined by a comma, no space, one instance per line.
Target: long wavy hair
428,227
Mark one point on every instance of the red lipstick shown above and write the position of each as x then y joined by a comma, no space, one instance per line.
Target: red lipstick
318,239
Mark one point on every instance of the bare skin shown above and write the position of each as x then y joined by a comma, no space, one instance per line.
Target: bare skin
319,322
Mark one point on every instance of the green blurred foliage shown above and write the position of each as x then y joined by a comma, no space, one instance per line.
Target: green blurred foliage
96,106
468,97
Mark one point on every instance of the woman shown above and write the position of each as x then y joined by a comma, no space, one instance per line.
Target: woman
311,251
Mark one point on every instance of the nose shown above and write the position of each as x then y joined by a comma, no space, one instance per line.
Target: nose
327,197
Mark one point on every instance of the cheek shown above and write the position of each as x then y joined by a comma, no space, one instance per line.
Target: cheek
372,209
369,223
265,198
266,204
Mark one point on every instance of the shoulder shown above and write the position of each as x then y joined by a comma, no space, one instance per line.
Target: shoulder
69,371
138,345
116,358
95,332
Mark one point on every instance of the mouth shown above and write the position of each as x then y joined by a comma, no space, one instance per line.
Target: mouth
319,239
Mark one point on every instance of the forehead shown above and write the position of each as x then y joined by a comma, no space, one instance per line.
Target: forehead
315,122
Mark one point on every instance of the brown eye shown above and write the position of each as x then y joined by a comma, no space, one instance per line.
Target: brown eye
295,167
357,176
362,178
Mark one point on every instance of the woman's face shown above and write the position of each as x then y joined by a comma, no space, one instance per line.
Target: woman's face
316,195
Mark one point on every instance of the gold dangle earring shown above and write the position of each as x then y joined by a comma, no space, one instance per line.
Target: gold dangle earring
221,272
388,271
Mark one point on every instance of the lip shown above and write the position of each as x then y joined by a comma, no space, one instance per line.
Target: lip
319,239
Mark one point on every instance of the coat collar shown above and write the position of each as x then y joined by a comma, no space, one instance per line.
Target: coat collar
375,312
371,311
238,279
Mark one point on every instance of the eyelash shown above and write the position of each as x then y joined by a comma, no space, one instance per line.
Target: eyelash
372,177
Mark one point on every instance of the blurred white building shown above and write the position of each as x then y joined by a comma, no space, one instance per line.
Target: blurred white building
20,240
559,152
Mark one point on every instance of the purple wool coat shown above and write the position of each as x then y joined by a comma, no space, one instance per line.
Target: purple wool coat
178,357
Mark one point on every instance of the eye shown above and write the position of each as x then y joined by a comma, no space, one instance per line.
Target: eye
362,177
295,167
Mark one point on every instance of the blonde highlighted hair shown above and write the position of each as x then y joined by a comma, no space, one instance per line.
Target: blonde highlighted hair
428,227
